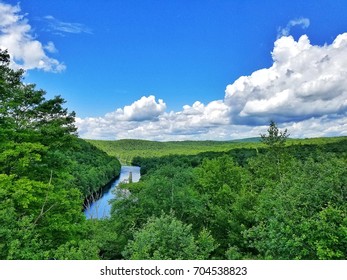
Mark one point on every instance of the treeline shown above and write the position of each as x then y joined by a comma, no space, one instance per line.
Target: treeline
298,150
127,149
46,171
90,168
275,203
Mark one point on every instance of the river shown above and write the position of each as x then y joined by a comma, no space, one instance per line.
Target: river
101,208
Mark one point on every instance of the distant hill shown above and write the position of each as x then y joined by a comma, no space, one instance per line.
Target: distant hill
248,140
126,149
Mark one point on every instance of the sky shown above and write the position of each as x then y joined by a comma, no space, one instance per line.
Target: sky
186,70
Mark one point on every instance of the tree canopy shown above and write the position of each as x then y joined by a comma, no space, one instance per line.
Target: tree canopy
44,173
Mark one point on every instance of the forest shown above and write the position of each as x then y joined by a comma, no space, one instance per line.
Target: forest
270,197
272,201
128,149
46,172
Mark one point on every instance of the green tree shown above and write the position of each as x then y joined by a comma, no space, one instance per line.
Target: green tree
275,138
37,218
276,155
228,200
44,168
83,250
31,127
166,238
302,216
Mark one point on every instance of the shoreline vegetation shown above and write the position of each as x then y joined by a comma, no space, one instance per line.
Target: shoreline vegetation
97,194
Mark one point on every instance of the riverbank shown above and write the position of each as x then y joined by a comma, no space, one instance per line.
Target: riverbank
100,207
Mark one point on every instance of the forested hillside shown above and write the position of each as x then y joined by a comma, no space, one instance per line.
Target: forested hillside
275,202
125,150
45,174
128,149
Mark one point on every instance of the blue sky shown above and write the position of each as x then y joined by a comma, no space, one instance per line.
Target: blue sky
176,70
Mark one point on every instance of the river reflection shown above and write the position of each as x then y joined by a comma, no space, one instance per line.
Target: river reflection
101,207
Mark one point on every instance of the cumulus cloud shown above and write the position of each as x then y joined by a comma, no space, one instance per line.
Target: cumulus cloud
147,119
319,127
305,81
216,112
141,110
305,91
303,22
16,36
97,128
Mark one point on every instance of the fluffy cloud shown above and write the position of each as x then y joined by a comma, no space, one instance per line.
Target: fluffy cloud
147,119
305,81
215,113
305,91
141,110
16,36
168,130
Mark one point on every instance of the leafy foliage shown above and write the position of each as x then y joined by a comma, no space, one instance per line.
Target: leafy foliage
280,202
166,238
45,173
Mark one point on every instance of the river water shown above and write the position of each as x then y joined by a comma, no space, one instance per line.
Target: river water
101,208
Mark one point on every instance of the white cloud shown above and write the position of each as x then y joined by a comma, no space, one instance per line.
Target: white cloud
50,47
16,36
303,22
167,129
319,127
141,110
214,113
304,81
305,91
147,119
